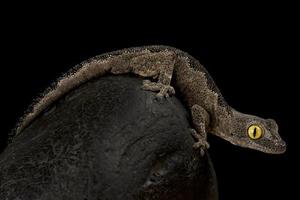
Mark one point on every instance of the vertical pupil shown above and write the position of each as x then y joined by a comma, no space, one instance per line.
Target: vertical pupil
254,132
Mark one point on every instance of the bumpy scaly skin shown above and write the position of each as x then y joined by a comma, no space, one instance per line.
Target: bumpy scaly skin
210,112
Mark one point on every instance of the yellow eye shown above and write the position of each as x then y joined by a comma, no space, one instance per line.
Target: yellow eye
255,132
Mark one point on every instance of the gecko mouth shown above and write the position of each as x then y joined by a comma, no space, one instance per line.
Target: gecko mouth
276,147
279,148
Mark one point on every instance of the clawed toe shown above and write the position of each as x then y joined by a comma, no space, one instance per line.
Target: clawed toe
202,146
163,90
145,82
201,143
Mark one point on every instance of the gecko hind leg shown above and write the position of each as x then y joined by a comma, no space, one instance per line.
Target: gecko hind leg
163,90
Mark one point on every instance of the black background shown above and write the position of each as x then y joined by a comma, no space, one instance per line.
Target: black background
249,55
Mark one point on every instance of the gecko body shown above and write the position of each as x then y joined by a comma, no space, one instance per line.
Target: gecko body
165,66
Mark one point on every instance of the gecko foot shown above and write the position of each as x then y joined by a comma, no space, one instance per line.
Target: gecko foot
201,143
164,90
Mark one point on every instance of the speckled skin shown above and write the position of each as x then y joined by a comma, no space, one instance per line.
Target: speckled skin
172,68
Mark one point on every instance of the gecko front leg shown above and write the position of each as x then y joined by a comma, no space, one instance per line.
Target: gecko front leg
200,119
160,66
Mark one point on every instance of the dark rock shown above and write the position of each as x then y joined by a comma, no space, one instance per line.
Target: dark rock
107,139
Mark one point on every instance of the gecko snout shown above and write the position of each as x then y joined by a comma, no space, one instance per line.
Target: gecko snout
280,146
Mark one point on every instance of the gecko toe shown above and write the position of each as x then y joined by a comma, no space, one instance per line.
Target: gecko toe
202,152
159,96
207,145
201,147
145,82
163,90
171,90
197,145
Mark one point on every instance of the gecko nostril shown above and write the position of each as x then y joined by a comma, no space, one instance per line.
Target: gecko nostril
280,142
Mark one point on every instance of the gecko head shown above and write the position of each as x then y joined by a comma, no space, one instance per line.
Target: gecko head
256,133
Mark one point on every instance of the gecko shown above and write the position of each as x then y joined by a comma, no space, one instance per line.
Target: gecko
166,69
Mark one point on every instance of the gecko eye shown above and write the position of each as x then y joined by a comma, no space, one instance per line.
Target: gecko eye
255,132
